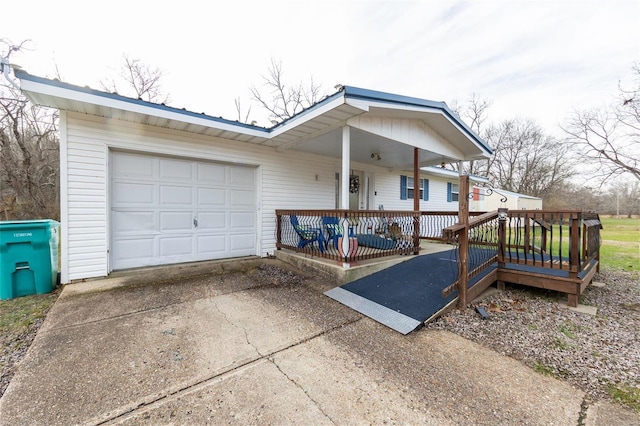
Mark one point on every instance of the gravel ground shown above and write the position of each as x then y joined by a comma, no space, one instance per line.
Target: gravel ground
593,353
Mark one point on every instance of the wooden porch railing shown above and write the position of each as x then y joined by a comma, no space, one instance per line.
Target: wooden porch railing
372,233
560,243
476,253
563,240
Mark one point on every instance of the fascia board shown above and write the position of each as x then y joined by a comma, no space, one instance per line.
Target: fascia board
74,95
307,116
452,173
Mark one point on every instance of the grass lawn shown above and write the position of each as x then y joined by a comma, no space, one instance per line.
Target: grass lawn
20,318
620,244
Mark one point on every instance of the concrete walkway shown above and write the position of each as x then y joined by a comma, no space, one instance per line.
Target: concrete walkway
243,343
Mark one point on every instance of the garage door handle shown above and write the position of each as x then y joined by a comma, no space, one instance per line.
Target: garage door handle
195,222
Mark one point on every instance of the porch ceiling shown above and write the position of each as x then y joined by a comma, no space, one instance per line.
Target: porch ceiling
393,155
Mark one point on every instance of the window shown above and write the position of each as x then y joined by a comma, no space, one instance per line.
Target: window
411,190
407,188
452,192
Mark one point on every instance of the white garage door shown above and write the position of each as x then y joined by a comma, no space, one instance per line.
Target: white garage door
167,210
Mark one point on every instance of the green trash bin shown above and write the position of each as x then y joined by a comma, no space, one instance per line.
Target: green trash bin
28,257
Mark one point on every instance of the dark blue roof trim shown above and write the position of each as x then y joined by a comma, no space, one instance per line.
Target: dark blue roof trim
373,95
23,75
347,91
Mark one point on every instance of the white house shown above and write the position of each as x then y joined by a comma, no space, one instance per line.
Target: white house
485,199
146,184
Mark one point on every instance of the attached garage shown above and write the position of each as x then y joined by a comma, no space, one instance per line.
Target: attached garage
169,210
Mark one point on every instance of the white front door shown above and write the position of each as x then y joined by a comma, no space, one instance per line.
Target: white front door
169,210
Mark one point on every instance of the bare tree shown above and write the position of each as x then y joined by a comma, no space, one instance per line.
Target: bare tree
29,152
141,79
609,137
474,112
239,111
625,196
526,160
282,100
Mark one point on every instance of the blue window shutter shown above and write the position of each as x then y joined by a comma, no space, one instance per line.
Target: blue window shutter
425,188
403,187
449,198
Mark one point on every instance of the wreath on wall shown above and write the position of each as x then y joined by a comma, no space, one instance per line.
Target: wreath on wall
354,184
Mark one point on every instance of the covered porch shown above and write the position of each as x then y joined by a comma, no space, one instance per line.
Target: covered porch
556,250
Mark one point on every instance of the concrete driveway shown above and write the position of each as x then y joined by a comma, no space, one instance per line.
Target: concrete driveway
249,342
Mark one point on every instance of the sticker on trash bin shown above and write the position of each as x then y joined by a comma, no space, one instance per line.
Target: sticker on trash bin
22,234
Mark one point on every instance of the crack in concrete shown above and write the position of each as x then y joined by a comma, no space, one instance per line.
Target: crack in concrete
129,411
244,330
584,407
299,386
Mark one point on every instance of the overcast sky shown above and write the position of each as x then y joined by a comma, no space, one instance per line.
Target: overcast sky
531,58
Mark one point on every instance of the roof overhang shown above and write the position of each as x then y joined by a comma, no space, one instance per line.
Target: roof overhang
316,129
452,174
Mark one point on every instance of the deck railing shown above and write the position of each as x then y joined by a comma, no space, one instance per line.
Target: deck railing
564,240
477,252
372,233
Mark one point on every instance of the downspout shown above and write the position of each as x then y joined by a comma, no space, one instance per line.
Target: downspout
5,68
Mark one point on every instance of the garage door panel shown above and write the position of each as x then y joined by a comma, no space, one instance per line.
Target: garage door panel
212,173
131,165
176,195
240,198
242,220
242,242
139,247
154,201
212,221
176,221
176,170
208,197
212,244
132,221
172,246
242,176
128,193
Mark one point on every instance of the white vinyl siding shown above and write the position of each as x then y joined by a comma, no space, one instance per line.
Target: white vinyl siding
388,193
287,179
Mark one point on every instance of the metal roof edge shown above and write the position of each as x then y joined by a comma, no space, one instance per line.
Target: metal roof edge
452,173
374,95
327,99
23,75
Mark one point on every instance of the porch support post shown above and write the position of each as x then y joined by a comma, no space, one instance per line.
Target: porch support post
344,194
463,239
346,161
416,200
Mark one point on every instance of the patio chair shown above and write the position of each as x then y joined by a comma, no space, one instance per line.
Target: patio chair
307,234
334,228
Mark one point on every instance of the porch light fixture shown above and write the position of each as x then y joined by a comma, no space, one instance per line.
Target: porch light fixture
376,156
